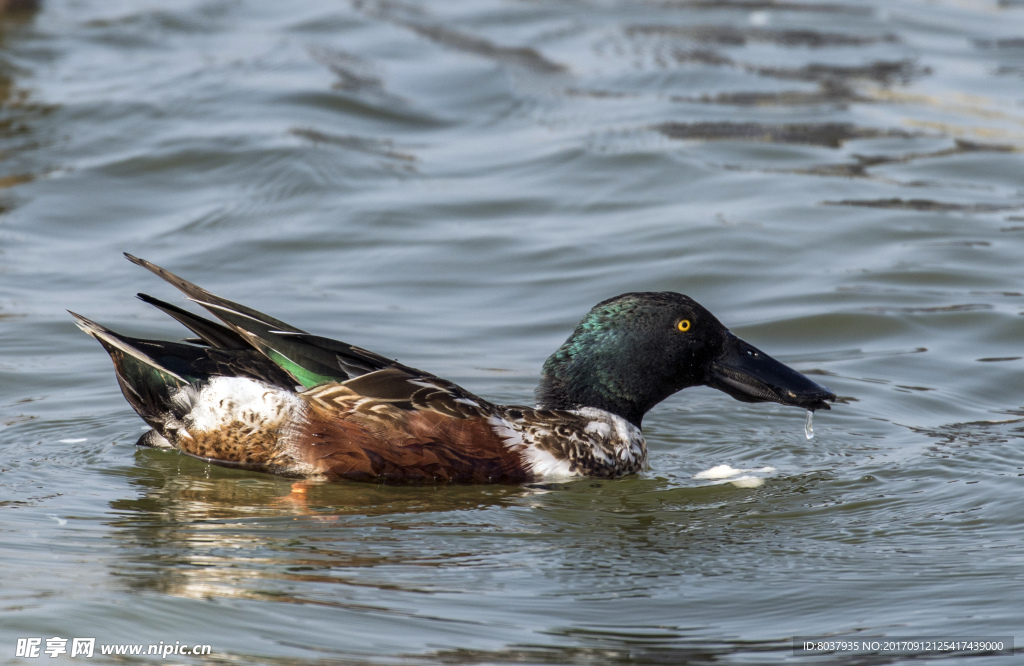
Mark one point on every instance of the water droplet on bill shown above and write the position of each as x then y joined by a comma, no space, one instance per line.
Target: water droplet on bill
809,425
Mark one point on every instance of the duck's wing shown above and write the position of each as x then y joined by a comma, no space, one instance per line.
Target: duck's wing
394,426
312,360
401,389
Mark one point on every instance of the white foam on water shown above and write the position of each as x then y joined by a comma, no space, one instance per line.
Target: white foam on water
747,482
726,471
76,440
741,478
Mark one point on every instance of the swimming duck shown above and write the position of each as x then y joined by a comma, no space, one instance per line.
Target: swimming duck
259,394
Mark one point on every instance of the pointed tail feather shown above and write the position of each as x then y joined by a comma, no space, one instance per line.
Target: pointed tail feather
210,333
145,383
208,300
114,342
258,330
309,359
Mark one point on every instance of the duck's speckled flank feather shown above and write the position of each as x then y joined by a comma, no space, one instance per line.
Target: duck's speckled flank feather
583,442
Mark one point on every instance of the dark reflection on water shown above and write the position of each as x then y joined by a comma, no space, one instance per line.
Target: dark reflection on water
733,36
819,134
18,109
924,204
418,20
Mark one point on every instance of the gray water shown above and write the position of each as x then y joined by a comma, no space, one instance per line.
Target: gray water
454,184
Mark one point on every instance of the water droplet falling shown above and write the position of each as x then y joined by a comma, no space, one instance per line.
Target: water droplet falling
809,425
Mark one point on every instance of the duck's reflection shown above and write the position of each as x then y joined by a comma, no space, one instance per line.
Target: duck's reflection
200,531
18,110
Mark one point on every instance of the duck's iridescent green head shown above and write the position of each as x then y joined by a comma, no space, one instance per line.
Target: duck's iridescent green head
631,352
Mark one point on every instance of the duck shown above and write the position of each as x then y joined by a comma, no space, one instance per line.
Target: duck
252,392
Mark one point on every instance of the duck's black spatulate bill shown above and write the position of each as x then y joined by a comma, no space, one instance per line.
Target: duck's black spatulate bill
748,374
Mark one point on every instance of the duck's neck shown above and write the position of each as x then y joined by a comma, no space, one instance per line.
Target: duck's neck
571,381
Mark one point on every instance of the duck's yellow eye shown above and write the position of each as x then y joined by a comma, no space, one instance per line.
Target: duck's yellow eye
683,325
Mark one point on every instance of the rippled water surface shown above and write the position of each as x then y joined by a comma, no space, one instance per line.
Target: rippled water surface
454,184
